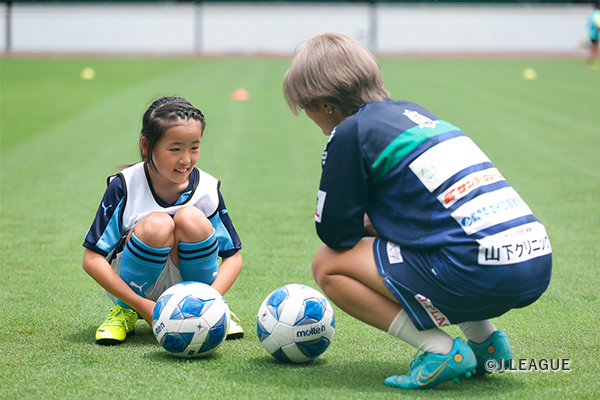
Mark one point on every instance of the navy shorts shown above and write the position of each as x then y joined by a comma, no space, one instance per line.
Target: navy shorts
433,301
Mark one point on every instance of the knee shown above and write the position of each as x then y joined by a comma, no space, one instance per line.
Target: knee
321,265
155,229
192,224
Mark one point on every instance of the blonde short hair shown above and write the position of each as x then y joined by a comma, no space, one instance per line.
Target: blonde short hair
333,68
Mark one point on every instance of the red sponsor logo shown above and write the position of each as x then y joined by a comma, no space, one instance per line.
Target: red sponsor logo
436,315
473,181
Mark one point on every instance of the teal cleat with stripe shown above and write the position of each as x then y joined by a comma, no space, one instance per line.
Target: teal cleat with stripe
493,354
430,369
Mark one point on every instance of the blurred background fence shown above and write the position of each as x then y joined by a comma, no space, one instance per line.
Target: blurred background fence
273,27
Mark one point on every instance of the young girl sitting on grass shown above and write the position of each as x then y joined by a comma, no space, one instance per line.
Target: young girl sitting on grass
161,221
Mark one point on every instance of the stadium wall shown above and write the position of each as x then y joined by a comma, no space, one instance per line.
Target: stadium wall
278,28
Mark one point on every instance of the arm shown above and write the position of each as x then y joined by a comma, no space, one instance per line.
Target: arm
229,249
108,224
343,191
228,272
101,271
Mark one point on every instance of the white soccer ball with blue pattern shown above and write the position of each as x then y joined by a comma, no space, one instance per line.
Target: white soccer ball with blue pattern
190,320
295,323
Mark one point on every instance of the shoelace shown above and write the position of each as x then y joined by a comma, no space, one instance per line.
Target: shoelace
416,359
116,317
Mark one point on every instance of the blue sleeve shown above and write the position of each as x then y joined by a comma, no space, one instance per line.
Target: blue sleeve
343,192
105,232
229,241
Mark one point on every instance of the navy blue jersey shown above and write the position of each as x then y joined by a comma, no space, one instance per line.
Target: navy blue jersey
426,187
123,206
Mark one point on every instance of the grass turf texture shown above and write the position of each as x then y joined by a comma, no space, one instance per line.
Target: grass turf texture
62,136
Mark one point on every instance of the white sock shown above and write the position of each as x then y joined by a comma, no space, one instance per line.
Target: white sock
432,340
477,331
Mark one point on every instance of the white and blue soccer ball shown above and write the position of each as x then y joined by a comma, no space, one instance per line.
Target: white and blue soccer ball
190,320
295,323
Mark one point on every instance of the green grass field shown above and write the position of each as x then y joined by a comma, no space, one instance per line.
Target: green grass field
61,136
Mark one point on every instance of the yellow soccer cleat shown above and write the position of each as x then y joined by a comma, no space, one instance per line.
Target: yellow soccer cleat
235,329
119,324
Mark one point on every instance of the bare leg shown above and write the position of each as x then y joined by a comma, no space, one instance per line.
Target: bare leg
593,57
155,230
350,279
191,226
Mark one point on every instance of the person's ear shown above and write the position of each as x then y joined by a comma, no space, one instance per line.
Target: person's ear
144,144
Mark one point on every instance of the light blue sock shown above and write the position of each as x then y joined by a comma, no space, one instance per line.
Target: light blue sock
199,262
141,265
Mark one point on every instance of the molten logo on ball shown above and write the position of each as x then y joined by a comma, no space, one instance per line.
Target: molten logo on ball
190,320
295,323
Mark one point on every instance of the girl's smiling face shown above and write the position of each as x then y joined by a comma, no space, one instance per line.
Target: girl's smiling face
174,155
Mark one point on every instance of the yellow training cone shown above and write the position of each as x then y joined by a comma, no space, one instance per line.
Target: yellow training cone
87,73
529,74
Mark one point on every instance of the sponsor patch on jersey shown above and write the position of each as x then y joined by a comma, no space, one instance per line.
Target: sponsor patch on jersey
438,318
514,245
394,254
421,120
490,209
445,159
467,184
320,204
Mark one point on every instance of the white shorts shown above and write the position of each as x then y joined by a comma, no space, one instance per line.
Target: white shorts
168,277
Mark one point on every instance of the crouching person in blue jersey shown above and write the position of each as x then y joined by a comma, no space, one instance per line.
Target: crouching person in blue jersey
161,221
420,230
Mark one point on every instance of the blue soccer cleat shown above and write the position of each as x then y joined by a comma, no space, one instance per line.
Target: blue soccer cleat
492,355
430,369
